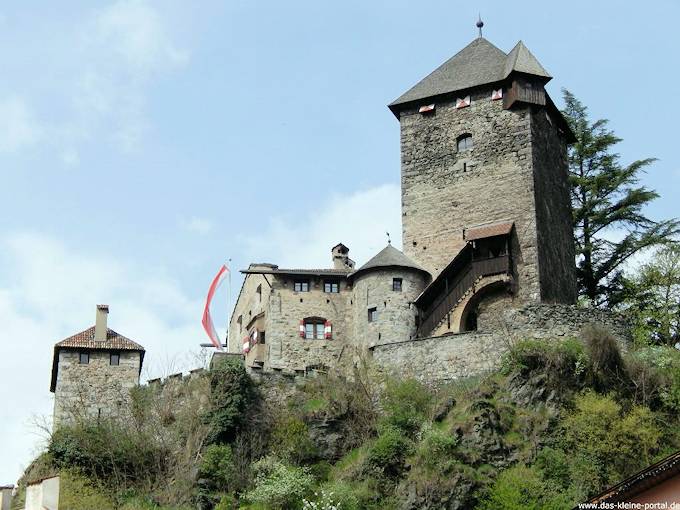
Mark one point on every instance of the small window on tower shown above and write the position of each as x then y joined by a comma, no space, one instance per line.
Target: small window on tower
396,284
464,142
114,359
84,358
372,314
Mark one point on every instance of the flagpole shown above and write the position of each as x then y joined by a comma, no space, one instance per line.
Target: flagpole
228,302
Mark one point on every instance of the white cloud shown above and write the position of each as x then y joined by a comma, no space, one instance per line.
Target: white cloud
359,220
105,68
18,127
136,33
51,293
196,225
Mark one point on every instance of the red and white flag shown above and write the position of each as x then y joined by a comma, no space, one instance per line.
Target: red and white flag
207,319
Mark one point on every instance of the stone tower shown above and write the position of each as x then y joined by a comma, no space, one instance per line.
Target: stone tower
483,156
383,291
93,372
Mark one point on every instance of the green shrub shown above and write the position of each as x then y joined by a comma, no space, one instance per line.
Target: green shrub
607,368
523,488
279,486
77,492
388,452
291,441
108,451
559,359
231,393
216,475
616,443
406,405
436,452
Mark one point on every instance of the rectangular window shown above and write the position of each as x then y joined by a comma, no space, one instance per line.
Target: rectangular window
396,284
114,359
84,358
331,287
372,314
314,330
301,286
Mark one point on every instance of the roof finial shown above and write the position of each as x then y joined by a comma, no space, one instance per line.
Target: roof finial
389,241
480,24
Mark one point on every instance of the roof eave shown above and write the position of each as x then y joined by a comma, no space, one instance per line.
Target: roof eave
396,106
389,266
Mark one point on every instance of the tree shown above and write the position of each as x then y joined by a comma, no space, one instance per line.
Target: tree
653,298
607,201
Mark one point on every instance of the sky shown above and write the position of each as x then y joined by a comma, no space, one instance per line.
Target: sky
145,143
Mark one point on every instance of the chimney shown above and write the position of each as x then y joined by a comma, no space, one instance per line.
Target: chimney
340,258
100,327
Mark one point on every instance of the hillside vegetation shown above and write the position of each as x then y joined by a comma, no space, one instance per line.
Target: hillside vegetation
559,422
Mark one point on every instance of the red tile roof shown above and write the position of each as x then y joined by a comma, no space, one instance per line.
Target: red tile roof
85,340
491,230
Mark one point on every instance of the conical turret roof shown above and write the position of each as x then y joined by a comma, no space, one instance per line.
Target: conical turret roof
389,256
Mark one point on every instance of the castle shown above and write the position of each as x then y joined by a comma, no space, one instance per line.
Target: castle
488,251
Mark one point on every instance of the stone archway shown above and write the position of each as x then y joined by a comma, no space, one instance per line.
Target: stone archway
464,316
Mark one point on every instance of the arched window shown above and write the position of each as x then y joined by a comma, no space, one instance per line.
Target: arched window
464,142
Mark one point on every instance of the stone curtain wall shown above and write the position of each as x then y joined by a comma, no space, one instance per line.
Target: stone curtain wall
439,199
553,211
286,350
444,358
94,389
396,320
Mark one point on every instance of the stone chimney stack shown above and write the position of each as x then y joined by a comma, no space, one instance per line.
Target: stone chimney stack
340,258
100,327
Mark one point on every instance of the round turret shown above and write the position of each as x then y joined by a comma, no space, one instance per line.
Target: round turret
383,293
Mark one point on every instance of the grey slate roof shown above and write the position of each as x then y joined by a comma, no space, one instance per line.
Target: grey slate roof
310,272
389,256
479,63
521,60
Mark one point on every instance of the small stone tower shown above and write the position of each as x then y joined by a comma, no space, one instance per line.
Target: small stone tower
93,372
383,291
484,152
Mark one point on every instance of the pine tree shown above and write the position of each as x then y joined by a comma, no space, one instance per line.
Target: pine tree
608,203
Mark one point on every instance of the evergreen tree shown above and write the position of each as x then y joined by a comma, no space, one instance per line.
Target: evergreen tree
607,202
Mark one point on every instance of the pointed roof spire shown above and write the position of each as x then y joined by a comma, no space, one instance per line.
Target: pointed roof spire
480,24
521,60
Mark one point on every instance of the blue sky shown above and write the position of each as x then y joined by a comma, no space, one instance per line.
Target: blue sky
144,143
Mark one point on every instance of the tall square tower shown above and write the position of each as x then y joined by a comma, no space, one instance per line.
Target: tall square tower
484,149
